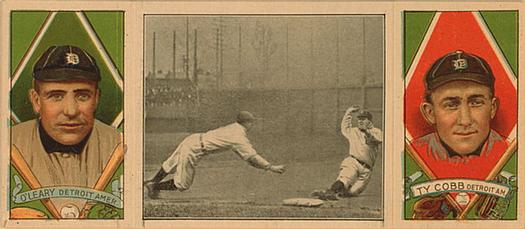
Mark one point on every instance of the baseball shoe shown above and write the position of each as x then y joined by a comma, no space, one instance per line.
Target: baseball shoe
153,191
342,195
325,194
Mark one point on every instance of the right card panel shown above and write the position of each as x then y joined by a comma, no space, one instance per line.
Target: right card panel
460,114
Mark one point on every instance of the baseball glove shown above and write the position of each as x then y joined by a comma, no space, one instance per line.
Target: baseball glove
494,207
491,207
432,207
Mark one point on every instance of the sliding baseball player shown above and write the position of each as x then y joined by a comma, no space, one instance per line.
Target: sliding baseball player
364,141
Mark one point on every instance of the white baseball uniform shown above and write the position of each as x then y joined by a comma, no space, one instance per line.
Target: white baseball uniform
356,169
183,160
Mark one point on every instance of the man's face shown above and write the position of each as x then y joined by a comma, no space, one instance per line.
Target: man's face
363,123
67,109
461,112
249,125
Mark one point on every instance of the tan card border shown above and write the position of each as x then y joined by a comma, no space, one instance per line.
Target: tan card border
393,86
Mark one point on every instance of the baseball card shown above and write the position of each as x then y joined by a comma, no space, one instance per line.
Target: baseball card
66,120
261,114
461,70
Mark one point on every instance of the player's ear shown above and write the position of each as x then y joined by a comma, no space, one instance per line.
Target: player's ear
97,96
35,100
494,104
427,110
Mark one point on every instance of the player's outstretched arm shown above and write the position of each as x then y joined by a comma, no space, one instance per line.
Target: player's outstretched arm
277,168
259,162
244,149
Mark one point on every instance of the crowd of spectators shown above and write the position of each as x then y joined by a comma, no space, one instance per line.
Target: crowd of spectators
169,95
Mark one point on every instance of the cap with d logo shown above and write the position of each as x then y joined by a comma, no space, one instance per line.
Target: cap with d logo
64,63
364,114
459,65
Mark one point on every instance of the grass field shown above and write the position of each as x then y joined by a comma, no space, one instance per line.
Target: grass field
227,187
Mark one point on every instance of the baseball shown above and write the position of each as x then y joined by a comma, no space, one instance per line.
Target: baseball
462,198
69,212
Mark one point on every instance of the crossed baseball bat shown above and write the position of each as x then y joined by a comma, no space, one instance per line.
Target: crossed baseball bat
17,160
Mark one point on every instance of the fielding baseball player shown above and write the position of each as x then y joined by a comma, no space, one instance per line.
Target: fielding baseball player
355,170
183,160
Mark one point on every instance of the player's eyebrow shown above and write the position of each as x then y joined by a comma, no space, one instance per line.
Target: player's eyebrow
55,91
476,96
451,98
83,91
47,93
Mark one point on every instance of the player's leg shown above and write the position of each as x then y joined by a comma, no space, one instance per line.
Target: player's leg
361,182
170,165
155,183
183,174
348,173
185,170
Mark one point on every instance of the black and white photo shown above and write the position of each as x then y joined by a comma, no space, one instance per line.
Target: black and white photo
245,116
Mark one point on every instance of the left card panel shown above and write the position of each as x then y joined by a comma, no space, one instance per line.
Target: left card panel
66,103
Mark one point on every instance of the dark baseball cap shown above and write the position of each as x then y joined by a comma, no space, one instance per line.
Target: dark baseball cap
246,116
364,114
64,63
459,65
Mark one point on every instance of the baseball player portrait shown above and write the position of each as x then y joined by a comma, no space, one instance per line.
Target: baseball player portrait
460,117
355,170
459,102
182,162
65,145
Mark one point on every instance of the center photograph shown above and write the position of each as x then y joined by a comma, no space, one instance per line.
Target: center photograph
263,117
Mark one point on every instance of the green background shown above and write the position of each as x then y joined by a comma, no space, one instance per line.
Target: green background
66,29
504,28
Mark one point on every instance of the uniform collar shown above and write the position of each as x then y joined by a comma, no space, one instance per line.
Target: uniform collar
50,145
452,153
241,126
